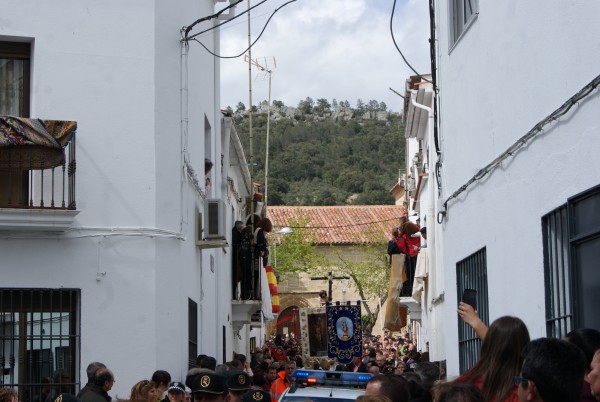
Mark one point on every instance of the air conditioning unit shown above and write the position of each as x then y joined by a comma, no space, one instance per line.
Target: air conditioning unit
215,219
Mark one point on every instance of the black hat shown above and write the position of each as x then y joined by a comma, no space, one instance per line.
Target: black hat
256,395
67,398
211,383
237,381
176,387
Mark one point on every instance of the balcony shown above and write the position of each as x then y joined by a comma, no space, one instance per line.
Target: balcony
246,284
37,174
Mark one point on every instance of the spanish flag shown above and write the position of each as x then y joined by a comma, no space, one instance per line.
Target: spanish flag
272,279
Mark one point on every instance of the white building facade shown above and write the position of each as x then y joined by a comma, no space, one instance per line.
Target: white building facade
135,271
518,216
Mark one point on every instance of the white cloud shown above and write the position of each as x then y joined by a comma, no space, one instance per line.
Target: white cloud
327,49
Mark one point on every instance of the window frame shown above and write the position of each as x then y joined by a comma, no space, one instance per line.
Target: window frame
458,22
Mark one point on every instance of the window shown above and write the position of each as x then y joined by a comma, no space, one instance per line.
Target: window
471,273
14,101
39,341
571,251
462,14
192,333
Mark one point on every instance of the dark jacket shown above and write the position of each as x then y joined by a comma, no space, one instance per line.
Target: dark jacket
95,394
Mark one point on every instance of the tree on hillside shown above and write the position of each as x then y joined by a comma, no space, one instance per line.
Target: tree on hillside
306,106
240,107
278,104
322,106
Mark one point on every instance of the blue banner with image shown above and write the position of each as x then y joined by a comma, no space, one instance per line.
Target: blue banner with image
344,331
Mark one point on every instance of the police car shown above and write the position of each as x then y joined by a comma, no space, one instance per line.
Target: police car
325,386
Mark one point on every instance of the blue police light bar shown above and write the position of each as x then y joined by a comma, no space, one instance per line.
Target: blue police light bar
320,377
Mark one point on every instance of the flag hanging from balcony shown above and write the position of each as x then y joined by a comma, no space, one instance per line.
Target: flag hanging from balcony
272,279
344,331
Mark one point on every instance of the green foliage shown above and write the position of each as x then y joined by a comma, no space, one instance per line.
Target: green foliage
316,158
296,251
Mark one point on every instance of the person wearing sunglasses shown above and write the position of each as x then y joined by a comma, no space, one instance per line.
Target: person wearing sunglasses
552,371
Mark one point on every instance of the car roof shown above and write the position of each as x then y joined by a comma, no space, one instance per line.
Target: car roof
323,392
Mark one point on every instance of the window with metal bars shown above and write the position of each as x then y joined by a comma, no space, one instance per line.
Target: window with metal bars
471,273
39,342
571,235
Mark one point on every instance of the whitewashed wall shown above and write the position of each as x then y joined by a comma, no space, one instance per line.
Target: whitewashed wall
516,64
115,67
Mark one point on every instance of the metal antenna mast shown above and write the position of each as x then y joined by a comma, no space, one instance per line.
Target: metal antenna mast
266,70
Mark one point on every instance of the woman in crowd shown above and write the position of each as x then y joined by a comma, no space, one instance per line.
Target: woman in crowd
500,360
8,395
144,391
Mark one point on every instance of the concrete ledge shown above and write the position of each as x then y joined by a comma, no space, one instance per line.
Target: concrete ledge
36,220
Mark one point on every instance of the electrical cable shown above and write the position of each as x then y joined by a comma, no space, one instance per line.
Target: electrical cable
253,43
397,48
226,22
521,142
210,17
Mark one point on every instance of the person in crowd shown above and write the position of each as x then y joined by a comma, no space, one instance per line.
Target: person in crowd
271,376
260,240
162,379
90,372
373,398
391,386
393,244
588,340
8,395
500,360
248,260
238,383
452,392
594,375
409,244
552,372
429,373
259,381
98,390
256,396
176,392
143,391
236,242
283,380
323,297
209,387
356,366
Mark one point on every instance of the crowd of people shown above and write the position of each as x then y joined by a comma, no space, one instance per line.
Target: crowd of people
511,368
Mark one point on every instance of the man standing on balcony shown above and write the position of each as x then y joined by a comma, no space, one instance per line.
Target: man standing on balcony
236,267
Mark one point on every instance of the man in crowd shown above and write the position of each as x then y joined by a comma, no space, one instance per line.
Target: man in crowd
271,376
90,372
594,375
98,390
209,387
552,371
283,381
392,386
238,383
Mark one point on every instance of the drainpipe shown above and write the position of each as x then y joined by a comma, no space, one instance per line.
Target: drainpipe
227,124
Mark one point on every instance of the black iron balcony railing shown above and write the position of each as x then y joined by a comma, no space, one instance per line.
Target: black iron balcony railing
37,164
37,177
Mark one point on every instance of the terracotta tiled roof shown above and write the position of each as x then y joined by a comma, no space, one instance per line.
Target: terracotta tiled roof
340,224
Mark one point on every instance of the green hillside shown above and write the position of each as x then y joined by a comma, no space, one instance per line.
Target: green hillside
321,154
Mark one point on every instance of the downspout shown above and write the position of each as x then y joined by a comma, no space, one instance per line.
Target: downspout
227,124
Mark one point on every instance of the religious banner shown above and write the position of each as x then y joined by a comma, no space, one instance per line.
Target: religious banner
344,331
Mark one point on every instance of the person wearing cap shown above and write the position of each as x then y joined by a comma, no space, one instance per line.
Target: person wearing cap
323,297
209,387
238,383
256,396
175,392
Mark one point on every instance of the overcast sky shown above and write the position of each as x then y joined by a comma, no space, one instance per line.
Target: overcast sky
328,49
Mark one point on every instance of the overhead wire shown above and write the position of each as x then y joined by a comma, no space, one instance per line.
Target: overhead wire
521,142
209,17
228,21
253,43
398,48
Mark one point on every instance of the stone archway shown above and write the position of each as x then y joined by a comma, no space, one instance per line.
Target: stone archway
287,321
